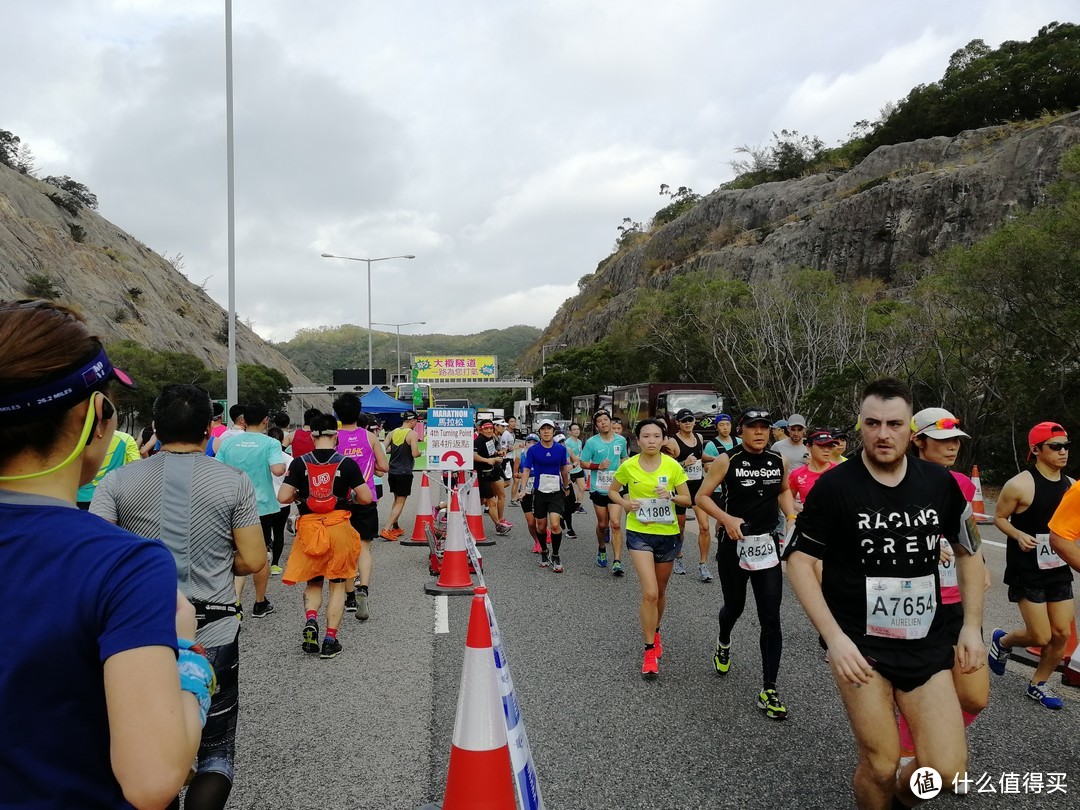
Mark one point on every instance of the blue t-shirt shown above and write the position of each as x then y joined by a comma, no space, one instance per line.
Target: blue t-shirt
598,451
540,460
119,593
254,453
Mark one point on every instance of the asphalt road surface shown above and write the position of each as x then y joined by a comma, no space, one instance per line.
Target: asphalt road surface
372,728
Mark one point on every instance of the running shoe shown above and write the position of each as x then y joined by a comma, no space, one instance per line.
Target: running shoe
1045,695
311,637
722,658
571,534
330,648
616,568
580,510
679,567
657,645
502,529
769,702
650,668
536,547
516,503
601,558
506,523
290,525
998,653
388,534
361,606
556,565
276,570
398,531
544,562
704,572
261,609
350,603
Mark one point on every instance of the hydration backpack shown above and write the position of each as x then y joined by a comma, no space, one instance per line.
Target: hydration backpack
321,476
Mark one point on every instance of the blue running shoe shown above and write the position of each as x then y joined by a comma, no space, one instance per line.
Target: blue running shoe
601,558
1045,695
998,654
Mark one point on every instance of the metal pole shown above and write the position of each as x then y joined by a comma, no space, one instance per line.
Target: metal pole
231,384
399,352
369,358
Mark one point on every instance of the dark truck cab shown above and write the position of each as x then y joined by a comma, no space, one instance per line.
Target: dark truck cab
632,403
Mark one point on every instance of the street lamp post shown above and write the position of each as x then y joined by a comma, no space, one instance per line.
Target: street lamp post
371,383
543,353
399,325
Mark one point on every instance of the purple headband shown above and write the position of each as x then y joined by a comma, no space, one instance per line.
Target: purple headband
26,406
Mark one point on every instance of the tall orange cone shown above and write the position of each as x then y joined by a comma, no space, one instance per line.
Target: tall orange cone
454,572
474,515
977,507
424,516
480,776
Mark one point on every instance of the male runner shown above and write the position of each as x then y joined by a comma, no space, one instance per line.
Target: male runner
755,483
548,465
236,416
1038,579
260,457
207,515
688,448
876,522
507,440
602,453
792,447
488,460
403,447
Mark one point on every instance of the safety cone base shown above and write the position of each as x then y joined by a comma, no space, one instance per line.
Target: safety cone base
485,542
404,542
435,589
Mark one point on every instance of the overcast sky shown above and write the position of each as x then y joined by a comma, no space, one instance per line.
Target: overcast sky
500,141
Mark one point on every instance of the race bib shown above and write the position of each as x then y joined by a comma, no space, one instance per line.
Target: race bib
900,608
604,479
655,510
695,472
947,570
550,483
757,552
1048,558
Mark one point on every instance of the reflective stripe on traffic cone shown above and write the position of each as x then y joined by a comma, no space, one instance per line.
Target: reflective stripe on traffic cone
474,515
454,572
480,775
424,516
977,507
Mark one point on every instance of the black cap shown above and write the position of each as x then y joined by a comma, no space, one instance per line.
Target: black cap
684,413
755,414
409,415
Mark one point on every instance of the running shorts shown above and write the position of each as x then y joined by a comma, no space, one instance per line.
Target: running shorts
544,503
664,547
1057,592
693,486
907,670
400,485
365,519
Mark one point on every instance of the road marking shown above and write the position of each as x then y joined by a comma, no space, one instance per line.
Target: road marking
994,543
442,617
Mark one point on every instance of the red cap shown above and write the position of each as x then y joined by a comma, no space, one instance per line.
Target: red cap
1042,432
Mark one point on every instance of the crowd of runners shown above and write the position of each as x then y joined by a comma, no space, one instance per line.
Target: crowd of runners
879,545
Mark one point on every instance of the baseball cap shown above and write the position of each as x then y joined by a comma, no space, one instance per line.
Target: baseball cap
560,437
755,415
938,423
821,436
545,423
796,420
532,437
684,413
723,417
779,423
409,415
1044,431
502,422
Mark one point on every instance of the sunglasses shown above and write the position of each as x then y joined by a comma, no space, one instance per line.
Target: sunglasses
943,424
1057,447
688,419
746,417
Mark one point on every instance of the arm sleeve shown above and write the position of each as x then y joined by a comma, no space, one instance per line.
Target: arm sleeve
137,600
1066,520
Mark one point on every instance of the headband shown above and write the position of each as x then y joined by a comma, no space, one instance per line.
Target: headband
19,407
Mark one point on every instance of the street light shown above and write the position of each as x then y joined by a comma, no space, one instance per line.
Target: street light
371,382
543,353
399,325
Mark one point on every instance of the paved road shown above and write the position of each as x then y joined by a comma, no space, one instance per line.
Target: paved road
372,728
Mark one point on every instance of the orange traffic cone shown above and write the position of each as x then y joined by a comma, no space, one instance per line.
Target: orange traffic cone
480,776
1070,648
424,516
454,571
474,515
977,507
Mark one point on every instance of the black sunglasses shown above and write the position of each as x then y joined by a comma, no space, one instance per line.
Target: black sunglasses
1057,447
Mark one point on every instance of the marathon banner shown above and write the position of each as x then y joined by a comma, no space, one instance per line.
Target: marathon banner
441,367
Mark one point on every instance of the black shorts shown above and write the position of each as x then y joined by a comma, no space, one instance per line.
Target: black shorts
693,486
577,476
487,486
378,491
544,503
1056,592
526,503
400,485
907,670
365,519
954,620
664,547
600,499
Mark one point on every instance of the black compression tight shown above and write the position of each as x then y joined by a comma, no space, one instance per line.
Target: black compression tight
273,527
556,542
768,592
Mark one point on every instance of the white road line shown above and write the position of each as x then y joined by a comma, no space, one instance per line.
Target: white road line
994,543
442,616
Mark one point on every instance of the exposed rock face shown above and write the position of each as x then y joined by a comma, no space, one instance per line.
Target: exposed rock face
124,289
900,205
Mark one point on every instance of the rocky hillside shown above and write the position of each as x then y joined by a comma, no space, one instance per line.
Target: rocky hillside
898,206
124,289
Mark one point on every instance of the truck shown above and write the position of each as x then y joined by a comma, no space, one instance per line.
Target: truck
583,406
529,413
632,403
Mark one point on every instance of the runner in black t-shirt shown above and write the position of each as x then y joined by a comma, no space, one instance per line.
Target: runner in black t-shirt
876,523
755,484
689,450
488,460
